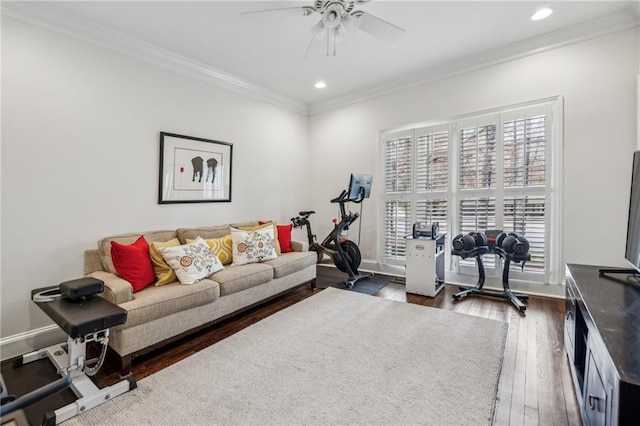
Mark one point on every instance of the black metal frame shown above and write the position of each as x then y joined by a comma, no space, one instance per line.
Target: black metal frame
189,141
333,243
515,298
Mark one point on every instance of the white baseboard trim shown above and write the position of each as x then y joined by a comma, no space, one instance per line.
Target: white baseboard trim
26,342
491,283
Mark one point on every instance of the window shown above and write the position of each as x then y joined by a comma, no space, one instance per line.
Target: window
398,168
416,185
478,173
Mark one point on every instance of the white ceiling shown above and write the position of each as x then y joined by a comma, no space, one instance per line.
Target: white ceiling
268,55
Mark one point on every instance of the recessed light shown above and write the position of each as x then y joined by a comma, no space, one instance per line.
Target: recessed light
320,85
541,14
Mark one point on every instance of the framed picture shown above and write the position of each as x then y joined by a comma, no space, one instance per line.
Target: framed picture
194,170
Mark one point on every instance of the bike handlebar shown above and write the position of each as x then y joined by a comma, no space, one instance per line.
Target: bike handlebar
340,198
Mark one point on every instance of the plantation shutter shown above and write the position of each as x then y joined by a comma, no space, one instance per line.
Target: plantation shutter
398,166
432,175
526,216
525,171
477,173
397,217
480,173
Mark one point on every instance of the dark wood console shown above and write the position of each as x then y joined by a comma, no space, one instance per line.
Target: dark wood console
602,341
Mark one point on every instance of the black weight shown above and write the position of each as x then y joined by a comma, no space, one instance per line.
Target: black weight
500,238
457,243
469,242
521,246
508,243
481,239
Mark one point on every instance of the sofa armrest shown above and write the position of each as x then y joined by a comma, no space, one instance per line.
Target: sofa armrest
299,245
116,289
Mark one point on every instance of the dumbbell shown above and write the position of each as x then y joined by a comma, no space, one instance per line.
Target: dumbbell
480,238
513,243
463,242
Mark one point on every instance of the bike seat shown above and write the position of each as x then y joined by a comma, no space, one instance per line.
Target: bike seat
306,213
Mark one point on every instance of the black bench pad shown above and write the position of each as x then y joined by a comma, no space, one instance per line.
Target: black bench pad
82,317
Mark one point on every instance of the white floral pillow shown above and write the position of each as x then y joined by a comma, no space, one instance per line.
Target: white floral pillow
192,262
253,246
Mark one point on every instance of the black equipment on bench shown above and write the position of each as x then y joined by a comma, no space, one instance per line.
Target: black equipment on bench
509,247
85,317
424,230
344,252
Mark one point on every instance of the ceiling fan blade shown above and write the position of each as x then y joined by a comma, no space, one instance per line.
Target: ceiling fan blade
309,47
378,27
283,12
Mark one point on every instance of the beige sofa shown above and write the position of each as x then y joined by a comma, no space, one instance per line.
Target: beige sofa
158,315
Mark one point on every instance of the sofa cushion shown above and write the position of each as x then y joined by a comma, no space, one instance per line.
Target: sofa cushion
157,302
237,278
133,263
205,232
192,262
253,246
288,263
104,245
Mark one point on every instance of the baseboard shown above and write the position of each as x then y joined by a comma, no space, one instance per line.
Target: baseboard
491,283
31,340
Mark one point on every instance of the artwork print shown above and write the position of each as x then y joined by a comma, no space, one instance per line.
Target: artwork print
194,169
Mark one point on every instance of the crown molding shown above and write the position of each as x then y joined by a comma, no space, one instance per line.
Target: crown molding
613,23
54,19
51,18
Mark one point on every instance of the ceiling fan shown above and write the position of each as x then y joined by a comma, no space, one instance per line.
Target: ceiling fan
337,18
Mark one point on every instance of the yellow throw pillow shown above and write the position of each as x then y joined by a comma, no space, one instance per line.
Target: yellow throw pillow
221,247
163,271
265,225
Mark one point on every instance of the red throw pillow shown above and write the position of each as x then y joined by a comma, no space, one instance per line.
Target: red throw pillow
133,263
284,237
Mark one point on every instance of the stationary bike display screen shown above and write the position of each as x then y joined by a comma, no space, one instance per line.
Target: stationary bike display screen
360,186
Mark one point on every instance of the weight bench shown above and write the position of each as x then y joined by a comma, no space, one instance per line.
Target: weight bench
85,317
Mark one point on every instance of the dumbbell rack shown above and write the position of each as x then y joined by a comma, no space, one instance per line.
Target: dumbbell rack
515,298
477,252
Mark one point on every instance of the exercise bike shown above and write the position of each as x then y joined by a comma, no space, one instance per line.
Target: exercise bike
344,252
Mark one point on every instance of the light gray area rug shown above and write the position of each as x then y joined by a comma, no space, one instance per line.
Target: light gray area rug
336,358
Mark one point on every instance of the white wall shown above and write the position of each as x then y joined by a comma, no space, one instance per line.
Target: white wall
80,129
596,78
80,148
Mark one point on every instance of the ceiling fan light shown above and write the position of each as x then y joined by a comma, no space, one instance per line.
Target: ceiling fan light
331,19
318,30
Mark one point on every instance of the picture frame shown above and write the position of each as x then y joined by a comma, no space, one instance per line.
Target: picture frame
194,170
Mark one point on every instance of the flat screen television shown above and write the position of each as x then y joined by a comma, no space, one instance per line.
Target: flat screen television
360,186
632,251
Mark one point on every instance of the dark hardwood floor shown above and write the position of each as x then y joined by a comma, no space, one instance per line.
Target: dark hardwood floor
535,385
